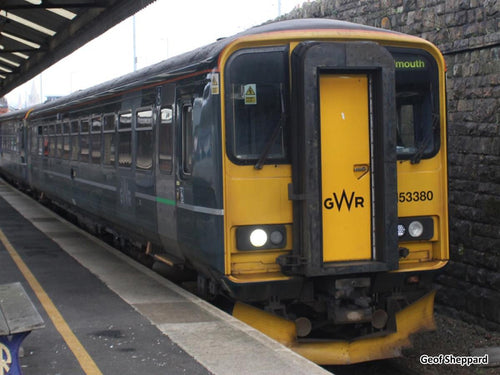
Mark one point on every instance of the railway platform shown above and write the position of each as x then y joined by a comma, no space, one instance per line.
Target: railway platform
107,314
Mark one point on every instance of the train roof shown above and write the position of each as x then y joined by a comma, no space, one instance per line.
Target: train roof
200,59
310,24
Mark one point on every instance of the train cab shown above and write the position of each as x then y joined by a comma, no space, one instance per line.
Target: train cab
334,183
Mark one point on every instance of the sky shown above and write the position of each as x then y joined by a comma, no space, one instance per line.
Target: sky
163,29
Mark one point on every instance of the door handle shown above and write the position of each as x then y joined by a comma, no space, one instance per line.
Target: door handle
360,170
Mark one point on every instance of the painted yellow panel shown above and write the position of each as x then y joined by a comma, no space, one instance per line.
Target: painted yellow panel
256,197
345,164
422,191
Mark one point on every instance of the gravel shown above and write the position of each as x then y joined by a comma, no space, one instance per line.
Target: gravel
453,337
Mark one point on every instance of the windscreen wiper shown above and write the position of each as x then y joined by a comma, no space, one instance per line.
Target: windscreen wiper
276,132
417,157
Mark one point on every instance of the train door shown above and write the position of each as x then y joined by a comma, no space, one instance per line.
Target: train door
144,169
23,150
165,176
344,182
31,140
126,185
199,204
346,166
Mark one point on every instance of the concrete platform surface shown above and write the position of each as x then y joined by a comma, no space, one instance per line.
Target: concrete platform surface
107,314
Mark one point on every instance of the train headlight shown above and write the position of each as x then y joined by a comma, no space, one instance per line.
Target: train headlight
416,229
258,237
261,237
401,230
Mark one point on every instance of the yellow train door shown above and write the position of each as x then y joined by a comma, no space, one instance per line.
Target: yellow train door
346,180
344,183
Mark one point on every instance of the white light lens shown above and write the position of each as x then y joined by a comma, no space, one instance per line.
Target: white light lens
258,238
401,230
415,229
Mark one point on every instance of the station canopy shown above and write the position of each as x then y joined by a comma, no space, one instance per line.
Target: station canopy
35,34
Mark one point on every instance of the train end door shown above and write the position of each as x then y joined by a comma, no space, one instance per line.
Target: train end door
344,170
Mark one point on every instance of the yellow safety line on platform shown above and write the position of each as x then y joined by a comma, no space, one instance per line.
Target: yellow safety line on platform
86,362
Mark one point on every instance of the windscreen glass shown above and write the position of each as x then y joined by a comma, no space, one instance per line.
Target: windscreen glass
256,101
417,104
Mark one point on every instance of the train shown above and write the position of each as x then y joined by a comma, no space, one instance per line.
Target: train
299,168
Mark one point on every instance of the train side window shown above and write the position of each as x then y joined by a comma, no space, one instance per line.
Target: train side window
95,130
52,141
16,142
13,143
4,140
125,139
21,142
60,141
34,139
75,145
66,140
109,138
7,140
165,140
45,143
40,141
84,140
13,140
144,129
187,138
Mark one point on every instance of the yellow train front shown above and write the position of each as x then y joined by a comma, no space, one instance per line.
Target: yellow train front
335,186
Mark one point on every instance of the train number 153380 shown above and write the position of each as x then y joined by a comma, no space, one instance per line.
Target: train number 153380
416,196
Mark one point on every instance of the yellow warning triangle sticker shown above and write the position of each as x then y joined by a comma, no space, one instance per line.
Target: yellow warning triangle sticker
250,91
215,84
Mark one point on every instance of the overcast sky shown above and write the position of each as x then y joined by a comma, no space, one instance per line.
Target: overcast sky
163,29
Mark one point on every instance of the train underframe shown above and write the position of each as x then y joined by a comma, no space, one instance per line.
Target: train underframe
340,308
342,320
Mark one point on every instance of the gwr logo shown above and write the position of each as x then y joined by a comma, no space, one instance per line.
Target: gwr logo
344,200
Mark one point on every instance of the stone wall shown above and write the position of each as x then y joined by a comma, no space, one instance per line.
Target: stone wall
467,32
